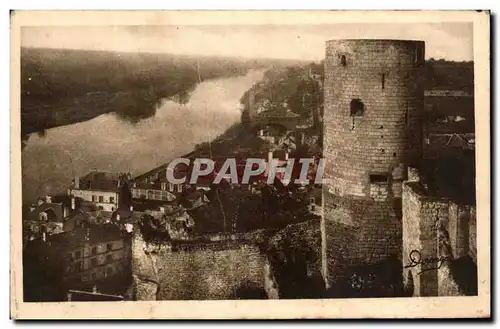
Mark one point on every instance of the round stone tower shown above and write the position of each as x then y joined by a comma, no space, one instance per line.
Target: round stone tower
373,100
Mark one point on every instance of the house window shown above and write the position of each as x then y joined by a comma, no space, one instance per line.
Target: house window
94,198
94,250
78,266
78,254
93,262
111,199
101,198
109,258
357,107
378,178
179,188
43,216
109,271
94,275
109,246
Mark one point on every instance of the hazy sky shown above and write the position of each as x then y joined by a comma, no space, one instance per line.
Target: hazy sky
452,41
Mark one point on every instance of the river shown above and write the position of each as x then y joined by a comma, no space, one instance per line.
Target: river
108,143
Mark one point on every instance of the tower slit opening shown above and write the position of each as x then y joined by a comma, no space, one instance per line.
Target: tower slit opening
343,60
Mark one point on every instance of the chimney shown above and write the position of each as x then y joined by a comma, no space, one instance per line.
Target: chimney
48,199
287,154
73,203
44,236
117,217
162,210
76,182
65,211
131,208
87,234
94,289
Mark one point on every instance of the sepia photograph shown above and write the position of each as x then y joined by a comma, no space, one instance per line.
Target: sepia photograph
250,164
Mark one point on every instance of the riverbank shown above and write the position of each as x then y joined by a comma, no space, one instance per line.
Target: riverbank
109,143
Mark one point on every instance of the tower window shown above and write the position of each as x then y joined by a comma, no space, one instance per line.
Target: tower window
383,80
357,107
343,60
378,178
417,56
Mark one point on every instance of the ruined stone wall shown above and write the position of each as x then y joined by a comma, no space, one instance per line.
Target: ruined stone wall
270,284
384,78
210,274
217,270
421,214
412,206
473,235
436,237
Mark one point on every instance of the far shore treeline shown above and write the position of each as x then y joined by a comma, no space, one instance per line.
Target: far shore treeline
61,86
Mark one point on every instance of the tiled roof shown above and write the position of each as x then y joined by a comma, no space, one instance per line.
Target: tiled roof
96,234
99,180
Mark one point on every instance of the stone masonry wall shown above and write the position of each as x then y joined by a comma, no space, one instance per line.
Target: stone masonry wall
473,235
460,227
412,206
270,284
210,274
359,232
436,237
421,214
386,77
218,270
373,102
